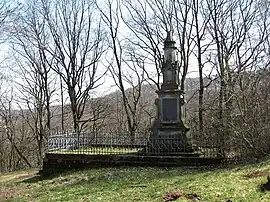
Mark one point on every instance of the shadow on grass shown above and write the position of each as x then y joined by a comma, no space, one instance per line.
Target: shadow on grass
40,176
111,172
149,173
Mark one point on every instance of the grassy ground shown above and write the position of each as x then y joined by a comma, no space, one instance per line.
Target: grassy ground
139,184
99,150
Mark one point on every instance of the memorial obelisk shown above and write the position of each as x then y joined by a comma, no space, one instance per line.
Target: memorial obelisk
169,133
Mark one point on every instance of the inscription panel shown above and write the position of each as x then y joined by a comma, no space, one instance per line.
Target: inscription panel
169,109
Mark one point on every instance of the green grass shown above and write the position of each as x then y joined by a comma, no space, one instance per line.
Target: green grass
99,150
138,184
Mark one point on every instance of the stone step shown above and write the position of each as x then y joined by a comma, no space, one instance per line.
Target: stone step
180,154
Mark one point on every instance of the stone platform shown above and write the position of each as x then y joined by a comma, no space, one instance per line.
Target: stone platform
61,162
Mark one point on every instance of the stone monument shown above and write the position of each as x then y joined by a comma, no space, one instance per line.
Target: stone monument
169,133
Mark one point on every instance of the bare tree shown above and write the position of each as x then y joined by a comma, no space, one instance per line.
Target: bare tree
184,23
77,46
7,10
9,128
231,26
147,21
37,82
252,94
200,49
126,68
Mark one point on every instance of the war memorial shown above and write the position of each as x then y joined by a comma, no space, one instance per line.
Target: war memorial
167,143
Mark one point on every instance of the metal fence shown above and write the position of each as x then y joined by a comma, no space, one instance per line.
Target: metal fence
88,143
113,143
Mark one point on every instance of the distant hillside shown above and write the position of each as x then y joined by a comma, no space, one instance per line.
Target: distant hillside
110,107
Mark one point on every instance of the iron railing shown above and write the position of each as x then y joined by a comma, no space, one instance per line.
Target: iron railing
88,143
121,144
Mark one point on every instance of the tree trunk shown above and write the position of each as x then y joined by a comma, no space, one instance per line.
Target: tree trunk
73,104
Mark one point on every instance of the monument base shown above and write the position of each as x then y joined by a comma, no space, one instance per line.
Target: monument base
169,140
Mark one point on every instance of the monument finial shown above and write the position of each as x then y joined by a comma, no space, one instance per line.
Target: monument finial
169,36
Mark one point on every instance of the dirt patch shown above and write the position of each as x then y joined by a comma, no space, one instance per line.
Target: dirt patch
8,193
257,173
266,186
17,176
172,196
11,186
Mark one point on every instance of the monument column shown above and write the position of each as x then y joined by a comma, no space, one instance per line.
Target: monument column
169,133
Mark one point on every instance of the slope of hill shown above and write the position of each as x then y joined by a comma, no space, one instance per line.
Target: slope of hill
139,184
